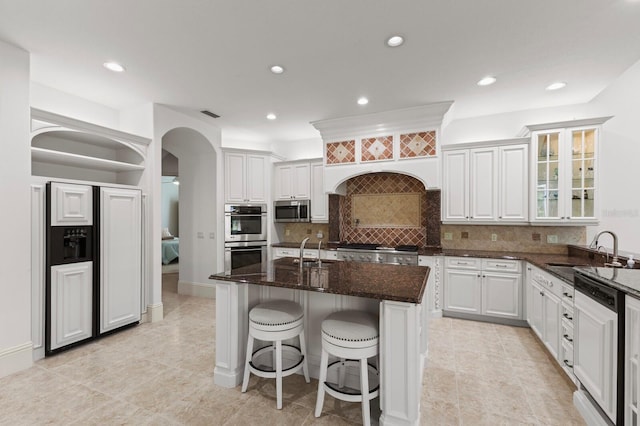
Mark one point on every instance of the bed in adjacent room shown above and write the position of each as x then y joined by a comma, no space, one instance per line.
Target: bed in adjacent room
170,250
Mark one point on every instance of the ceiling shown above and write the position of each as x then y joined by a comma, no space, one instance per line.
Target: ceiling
216,55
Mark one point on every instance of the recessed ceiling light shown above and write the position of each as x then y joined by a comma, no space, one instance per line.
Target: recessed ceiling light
271,116
363,101
277,69
113,66
557,85
487,81
395,41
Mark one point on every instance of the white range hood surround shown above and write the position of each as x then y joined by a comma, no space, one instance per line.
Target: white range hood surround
417,119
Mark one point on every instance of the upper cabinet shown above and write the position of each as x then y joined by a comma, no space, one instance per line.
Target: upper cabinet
564,183
319,198
246,177
292,181
62,147
303,180
486,182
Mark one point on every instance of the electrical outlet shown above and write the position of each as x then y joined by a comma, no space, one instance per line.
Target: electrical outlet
200,234
287,232
448,236
319,235
212,235
494,237
552,239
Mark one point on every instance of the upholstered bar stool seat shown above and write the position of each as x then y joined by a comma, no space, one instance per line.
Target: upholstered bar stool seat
351,336
275,321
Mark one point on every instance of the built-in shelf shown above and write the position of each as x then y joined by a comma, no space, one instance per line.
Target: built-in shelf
77,160
63,147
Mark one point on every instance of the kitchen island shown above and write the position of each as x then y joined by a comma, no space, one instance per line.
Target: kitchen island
396,293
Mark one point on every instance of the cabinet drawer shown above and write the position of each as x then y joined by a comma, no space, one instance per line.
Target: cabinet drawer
286,252
501,265
567,294
567,354
329,254
567,331
463,262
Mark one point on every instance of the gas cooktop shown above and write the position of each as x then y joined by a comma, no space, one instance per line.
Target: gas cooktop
377,253
366,246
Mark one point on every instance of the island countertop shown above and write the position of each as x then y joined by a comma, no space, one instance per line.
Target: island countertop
400,283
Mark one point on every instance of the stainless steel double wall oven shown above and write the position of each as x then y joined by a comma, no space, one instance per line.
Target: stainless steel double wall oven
245,235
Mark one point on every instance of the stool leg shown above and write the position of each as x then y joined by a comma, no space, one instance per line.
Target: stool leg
279,374
303,351
273,356
245,380
364,390
324,360
342,372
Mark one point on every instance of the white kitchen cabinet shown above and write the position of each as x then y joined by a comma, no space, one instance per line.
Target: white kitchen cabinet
595,348
632,362
71,204
292,181
535,308
487,184
551,323
120,257
246,177
564,162
319,199
279,252
488,287
71,293
463,291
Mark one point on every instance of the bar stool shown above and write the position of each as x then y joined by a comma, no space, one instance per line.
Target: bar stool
352,336
275,321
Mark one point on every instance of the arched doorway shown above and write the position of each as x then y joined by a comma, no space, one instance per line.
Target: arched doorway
196,159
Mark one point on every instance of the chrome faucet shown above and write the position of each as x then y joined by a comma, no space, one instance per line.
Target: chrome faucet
302,255
319,259
594,244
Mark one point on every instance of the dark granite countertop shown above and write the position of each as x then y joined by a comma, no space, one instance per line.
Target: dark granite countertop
400,283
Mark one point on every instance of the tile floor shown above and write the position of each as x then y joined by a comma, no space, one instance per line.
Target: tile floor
161,374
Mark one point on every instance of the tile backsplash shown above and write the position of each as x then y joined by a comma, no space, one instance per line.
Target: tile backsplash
296,232
533,239
404,192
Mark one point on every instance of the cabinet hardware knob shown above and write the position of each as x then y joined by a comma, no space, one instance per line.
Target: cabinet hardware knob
542,293
569,339
499,217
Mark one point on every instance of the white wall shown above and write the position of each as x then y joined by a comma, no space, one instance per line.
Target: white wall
54,100
15,175
170,198
201,206
298,150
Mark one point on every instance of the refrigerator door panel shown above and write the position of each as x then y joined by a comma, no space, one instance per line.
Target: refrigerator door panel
71,204
120,257
71,293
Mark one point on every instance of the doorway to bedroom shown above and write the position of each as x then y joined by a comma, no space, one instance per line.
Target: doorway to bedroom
170,219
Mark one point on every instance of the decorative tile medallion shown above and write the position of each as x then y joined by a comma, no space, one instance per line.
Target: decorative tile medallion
341,152
376,149
421,144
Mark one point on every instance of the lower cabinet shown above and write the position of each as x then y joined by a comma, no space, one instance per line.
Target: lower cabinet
488,287
544,310
71,303
632,361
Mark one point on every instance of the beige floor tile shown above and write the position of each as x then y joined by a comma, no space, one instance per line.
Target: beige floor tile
162,374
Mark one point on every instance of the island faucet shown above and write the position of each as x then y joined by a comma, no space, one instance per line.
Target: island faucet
302,256
614,262
319,259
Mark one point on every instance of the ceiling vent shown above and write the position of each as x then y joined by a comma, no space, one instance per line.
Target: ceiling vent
210,114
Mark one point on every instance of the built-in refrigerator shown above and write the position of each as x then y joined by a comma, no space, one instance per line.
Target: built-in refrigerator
93,262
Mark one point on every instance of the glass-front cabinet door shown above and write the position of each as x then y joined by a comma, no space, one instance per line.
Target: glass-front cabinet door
565,174
548,167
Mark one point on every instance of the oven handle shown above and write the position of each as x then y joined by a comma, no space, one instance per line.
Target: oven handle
234,249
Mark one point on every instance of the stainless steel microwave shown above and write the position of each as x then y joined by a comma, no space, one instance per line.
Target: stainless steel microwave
292,211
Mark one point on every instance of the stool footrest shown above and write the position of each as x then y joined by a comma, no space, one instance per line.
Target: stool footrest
270,373
348,394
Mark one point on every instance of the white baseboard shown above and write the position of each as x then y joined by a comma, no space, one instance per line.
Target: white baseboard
197,289
16,359
155,312
436,313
